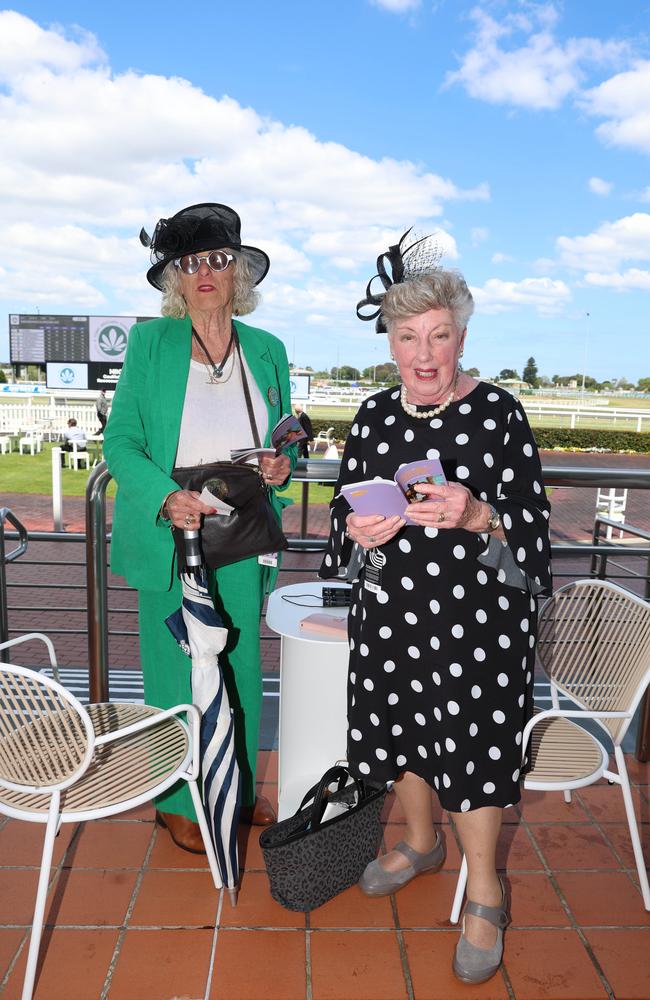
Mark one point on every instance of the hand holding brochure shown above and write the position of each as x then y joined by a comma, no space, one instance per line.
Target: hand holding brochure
285,433
393,496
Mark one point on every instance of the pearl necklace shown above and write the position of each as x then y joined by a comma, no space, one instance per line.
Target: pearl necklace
412,411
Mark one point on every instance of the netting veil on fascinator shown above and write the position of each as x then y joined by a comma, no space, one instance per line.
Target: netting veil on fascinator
406,260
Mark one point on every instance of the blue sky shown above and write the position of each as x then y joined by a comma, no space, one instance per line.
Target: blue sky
520,131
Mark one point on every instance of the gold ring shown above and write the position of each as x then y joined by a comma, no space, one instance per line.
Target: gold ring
371,538
188,520
441,517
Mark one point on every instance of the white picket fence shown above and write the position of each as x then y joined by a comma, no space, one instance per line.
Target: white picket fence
47,415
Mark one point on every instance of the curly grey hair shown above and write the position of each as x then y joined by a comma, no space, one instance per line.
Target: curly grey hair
245,297
436,290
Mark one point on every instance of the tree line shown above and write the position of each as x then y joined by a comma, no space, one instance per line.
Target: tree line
388,374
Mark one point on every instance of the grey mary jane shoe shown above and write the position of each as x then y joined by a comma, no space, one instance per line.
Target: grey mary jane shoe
376,881
475,965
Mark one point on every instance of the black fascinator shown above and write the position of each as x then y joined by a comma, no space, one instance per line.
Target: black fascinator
409,258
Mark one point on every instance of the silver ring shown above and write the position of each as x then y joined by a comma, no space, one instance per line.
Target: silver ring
371,538
188,520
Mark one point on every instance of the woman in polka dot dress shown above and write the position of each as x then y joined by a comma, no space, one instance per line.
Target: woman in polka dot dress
443,615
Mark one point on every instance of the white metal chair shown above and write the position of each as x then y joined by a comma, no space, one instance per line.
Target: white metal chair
5,445
79,454
32,440
612,504
594,644
63,763
323,437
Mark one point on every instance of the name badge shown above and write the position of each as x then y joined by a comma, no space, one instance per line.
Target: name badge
268,559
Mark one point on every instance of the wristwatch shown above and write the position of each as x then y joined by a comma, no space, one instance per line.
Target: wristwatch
494,520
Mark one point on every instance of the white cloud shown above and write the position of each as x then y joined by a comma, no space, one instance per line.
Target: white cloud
633,279
49,289
24,45
598,186
365,245
397,6
623,100
95,155
604,250
478,235
545,295
501,258
518,60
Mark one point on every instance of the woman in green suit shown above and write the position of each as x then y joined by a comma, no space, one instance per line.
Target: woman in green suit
180,402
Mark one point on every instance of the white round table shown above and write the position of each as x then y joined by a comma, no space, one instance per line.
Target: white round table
313,692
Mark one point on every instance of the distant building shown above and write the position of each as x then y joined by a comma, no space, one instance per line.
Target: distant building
514,385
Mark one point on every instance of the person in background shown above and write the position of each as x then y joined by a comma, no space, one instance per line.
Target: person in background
101,405
306,424
180,402
332,450
443,618
70,434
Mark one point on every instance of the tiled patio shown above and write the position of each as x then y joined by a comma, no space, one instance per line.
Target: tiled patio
130,917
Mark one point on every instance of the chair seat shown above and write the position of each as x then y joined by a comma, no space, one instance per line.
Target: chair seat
119,771
563,753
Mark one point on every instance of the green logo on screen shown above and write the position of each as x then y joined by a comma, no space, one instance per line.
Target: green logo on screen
112,341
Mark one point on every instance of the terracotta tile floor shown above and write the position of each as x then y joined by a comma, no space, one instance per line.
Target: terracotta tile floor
130,917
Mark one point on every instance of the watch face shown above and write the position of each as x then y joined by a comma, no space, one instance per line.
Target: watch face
494,520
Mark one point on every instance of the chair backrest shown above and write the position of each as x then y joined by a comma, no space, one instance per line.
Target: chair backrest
46,736
594,643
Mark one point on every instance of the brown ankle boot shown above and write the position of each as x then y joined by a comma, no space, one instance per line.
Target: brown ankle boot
185,833
261,814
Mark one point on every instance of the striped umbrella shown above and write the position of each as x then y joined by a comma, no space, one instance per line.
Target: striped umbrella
199,631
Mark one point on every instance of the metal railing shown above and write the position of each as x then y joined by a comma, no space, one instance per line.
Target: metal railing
601,562
5,559
307,472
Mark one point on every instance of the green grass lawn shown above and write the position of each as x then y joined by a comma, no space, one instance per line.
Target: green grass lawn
33,474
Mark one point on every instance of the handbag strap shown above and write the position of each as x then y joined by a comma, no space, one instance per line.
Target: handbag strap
247,395
319,792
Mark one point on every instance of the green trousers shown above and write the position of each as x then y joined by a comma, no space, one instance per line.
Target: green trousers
238,594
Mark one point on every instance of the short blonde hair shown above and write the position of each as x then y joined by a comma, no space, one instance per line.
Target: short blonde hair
437,290
245,297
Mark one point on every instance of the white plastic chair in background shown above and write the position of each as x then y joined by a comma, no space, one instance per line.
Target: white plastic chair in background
323,437
594,644
32,440
63,763
5,445
79,454
612,504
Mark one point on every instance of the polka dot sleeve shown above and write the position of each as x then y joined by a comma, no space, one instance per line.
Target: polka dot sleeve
339,551
523,505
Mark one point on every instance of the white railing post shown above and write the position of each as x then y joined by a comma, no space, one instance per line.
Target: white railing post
57,492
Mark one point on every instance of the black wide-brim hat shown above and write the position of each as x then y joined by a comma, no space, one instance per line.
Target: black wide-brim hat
208,226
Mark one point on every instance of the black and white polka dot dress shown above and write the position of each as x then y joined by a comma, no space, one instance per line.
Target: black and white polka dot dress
442,656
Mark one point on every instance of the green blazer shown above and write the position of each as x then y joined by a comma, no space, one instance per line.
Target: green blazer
141,437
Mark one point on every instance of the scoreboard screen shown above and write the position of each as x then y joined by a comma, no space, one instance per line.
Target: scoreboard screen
92,346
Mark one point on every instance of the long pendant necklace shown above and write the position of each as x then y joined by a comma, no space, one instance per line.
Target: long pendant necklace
412,411
215,371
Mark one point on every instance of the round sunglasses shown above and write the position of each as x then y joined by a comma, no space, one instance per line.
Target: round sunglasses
217,260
